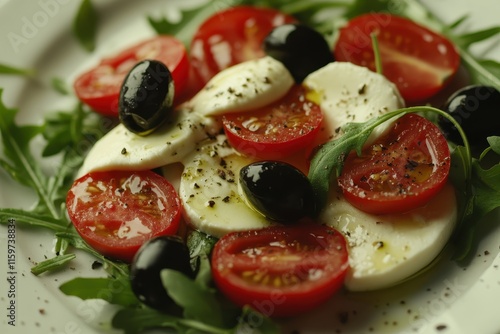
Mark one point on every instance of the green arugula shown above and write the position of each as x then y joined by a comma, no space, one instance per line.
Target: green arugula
85,25
64,133
113,290
49,211
60,86
11,70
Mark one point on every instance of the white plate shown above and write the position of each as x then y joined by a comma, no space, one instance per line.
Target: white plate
37,34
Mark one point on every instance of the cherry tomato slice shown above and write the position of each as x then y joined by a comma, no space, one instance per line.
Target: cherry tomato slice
281,270
232,36
277,130
99,87
401,171
419,61
116,212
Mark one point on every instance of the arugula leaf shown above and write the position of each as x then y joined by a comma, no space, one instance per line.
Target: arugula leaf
60,86
200,245
467,39
22,166
113,290
11,70
31,218
187,294
51,264
116,269
135,320
85,25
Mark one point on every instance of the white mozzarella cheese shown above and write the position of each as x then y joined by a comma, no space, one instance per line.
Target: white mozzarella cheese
121,149
349,93
210,194
245,86
385,249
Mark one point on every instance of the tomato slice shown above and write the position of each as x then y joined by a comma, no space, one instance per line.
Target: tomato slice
419,61
277,130
401,171
281,270
116,212
232,36
99,87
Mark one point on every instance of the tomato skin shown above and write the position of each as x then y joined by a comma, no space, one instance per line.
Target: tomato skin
100,86
277,130
106,207
418,61
309,260
232,36
401,171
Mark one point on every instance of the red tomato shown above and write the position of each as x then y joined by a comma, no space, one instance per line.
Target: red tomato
116,212
232,36
401,171
99,88
280,271
277,130
419,61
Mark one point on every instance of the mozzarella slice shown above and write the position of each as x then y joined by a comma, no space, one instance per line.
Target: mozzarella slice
121,149
350,93
210,193
245,86
385,249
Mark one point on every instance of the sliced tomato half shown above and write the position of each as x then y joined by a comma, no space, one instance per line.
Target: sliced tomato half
116,212
419,61
232,36
99,87
282,270
277,130
401,171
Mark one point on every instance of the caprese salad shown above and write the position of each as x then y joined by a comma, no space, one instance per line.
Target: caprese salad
294,159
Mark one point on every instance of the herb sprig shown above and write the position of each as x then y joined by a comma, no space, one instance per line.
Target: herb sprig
65,131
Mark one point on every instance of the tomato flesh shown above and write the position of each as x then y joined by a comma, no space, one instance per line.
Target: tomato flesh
99,87
277,130
232,36
417,60
399,172
281,270
116,212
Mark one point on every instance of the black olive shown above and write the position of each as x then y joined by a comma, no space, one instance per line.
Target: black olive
146,97
163,252
278,190
477,109
300,48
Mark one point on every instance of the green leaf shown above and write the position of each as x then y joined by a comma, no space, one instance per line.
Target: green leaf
187,294
200,246
135,320
33,219
112,290
250,318
85,25
52,264
116,269
494,142
11,70
60,86
492,66
467,39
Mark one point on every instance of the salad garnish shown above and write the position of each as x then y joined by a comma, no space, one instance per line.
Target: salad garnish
68,135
